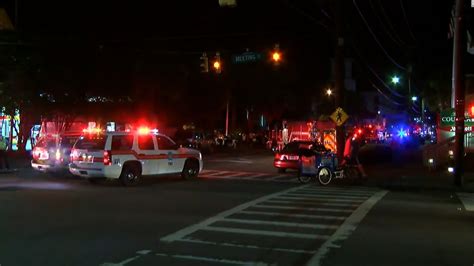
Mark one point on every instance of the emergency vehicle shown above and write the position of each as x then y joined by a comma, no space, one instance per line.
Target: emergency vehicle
129,155
52,152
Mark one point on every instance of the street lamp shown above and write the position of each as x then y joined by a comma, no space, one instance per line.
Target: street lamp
395,80
329,92
414,98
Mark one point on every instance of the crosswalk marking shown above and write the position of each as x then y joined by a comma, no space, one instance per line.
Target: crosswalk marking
347,227
191,229
311,203
301,208
242,175
316,199
313,216
337,191
467,200
214,260
326,196
263,232
313,226
224,244
302,217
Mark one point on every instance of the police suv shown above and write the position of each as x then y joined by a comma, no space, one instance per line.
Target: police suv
129,155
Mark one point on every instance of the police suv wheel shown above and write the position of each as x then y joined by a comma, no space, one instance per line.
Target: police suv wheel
190,170
130,176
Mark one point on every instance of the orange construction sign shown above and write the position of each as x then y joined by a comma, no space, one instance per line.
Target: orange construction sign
329,141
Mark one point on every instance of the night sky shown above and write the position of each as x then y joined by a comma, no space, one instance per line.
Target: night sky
151,49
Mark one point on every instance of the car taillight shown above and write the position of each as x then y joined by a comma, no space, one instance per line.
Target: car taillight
277,156
107,158
40,153
58,155
74,155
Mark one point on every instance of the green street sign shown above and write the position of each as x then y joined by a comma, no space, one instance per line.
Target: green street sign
247,57
448,118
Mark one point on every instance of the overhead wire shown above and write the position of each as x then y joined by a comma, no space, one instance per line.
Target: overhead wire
406,21
385,96
384,14
375,37
392,91
386,30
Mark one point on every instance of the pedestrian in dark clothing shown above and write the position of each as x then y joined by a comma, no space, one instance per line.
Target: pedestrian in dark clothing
3,154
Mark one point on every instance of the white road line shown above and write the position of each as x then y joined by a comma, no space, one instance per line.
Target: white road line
290,197
325,196
218,173
293,180
342,189
193,228
467,200
260,222
302,202
349,192
237,174
208,171
301,208
246,246
280,176
230,161
326,217
214,260
328,193
125,262
263,232
346,229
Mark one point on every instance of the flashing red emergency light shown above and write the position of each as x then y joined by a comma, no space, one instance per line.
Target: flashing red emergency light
143,130
91,130
359,131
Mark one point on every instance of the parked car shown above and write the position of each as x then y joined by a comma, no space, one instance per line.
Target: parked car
52,152
289,156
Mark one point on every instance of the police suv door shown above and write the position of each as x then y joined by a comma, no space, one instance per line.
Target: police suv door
147,154
173,162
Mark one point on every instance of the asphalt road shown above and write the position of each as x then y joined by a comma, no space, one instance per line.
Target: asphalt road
241,211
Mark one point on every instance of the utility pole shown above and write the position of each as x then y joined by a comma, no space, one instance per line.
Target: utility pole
227,118
459,49
16,15
339,73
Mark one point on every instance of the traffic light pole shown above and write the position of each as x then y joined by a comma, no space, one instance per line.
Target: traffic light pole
339,74
459,49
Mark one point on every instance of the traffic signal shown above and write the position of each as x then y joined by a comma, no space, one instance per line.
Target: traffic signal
471,109
204,63
276,54
217,63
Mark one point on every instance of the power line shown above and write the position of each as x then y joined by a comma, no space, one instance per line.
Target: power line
390,23
375,73
306,15
385,96
406,20
375,37
392,37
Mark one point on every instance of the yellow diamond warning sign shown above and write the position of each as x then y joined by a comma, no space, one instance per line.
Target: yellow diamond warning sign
5,22
339,116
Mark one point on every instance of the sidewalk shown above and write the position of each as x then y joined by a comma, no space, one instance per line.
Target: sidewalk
17,162
413,176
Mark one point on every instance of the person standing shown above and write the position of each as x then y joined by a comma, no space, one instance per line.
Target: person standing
3,154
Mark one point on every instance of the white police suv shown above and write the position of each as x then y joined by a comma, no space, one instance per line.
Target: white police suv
129,155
